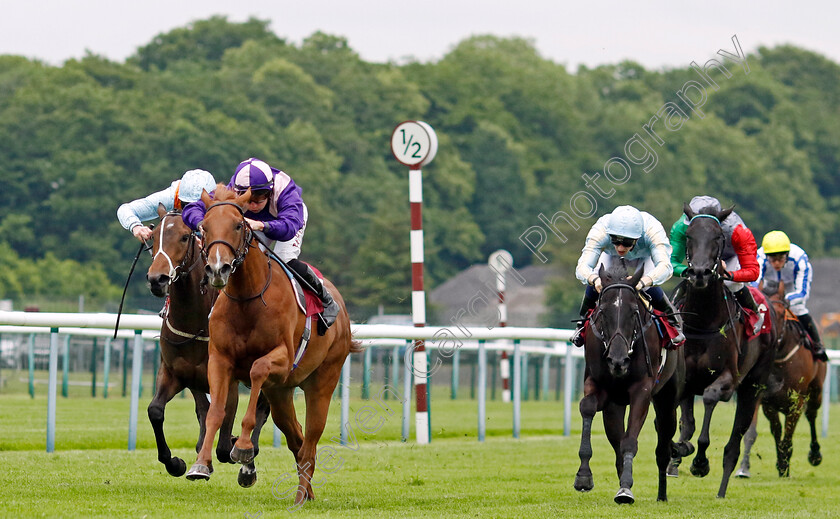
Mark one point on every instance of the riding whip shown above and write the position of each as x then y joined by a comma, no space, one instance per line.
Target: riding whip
143,247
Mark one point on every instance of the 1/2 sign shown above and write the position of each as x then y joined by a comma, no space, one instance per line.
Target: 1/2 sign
414,143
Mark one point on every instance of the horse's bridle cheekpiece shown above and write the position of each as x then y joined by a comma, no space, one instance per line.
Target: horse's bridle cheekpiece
635,337
238,252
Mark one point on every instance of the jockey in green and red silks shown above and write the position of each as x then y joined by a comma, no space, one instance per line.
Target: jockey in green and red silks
739,252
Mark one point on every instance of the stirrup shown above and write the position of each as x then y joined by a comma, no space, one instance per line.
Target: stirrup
577,337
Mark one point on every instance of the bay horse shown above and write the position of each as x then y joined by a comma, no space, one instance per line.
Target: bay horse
626,366
719,357
177,272
795,384
255,330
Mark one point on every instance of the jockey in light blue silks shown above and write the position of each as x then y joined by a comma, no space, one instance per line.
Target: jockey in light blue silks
636,239
175,197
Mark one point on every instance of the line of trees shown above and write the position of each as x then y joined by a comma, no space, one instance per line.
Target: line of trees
516,133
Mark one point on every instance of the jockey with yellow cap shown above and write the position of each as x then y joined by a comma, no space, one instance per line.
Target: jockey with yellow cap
785,262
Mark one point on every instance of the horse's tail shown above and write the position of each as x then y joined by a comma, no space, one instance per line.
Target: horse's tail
356,347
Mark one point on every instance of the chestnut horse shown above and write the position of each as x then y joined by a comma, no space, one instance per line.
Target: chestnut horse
625,365
177,271
255,330
719,357
795,384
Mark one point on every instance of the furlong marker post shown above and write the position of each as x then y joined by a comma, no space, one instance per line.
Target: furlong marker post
414,144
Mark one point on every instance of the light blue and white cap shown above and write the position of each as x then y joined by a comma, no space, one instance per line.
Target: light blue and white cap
626,221
193,183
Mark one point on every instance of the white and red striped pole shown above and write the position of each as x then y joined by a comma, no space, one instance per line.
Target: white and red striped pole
500,261
418,304
414,144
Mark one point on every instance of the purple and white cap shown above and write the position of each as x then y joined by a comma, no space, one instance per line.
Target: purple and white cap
253,173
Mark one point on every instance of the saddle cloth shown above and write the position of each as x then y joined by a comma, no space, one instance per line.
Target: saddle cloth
752,317
308,302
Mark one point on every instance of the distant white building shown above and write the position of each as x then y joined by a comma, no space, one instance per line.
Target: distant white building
470,298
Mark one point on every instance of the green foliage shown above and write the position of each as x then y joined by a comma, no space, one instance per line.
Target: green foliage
516,133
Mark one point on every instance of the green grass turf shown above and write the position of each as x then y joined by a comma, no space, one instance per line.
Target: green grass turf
92,475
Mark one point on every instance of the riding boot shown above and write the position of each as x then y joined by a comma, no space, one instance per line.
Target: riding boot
745,299
811,327
590,299
331,307
664,305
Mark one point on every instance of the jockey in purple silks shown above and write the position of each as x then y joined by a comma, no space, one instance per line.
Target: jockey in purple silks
277,212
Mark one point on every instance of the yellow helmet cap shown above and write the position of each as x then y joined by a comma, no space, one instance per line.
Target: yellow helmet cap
775,242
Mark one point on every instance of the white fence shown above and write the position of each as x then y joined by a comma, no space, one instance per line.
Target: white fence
449,339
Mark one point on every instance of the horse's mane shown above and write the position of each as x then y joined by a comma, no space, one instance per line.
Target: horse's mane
709,209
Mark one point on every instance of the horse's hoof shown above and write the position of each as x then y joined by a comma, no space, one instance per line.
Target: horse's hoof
243,456
584,483
199,472
223,455
673,471
247,476
682,450
700,469
743,473
814,457
176,467
624,497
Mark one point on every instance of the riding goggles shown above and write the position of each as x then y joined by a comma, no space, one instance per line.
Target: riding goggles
621,240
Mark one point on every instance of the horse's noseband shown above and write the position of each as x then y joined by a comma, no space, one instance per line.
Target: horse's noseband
175,271
239,252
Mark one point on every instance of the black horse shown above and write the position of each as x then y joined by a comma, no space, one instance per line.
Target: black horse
177,270
625,365
718,355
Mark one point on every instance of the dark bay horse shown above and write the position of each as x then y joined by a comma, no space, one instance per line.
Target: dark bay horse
625,365
255,330
795,384
177,271
719,357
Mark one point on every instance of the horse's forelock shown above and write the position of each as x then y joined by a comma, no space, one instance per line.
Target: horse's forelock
615,274
709,209
223,193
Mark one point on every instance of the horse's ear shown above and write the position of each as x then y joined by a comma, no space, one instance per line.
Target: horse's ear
723,215
601,273
689,212
243,199
161,210
781,290
637,276
205,197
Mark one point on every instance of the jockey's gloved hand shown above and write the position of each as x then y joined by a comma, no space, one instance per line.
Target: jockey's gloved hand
645,282
595,281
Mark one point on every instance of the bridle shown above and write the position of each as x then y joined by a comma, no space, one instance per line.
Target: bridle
721,245
240,251
638,327
175,271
